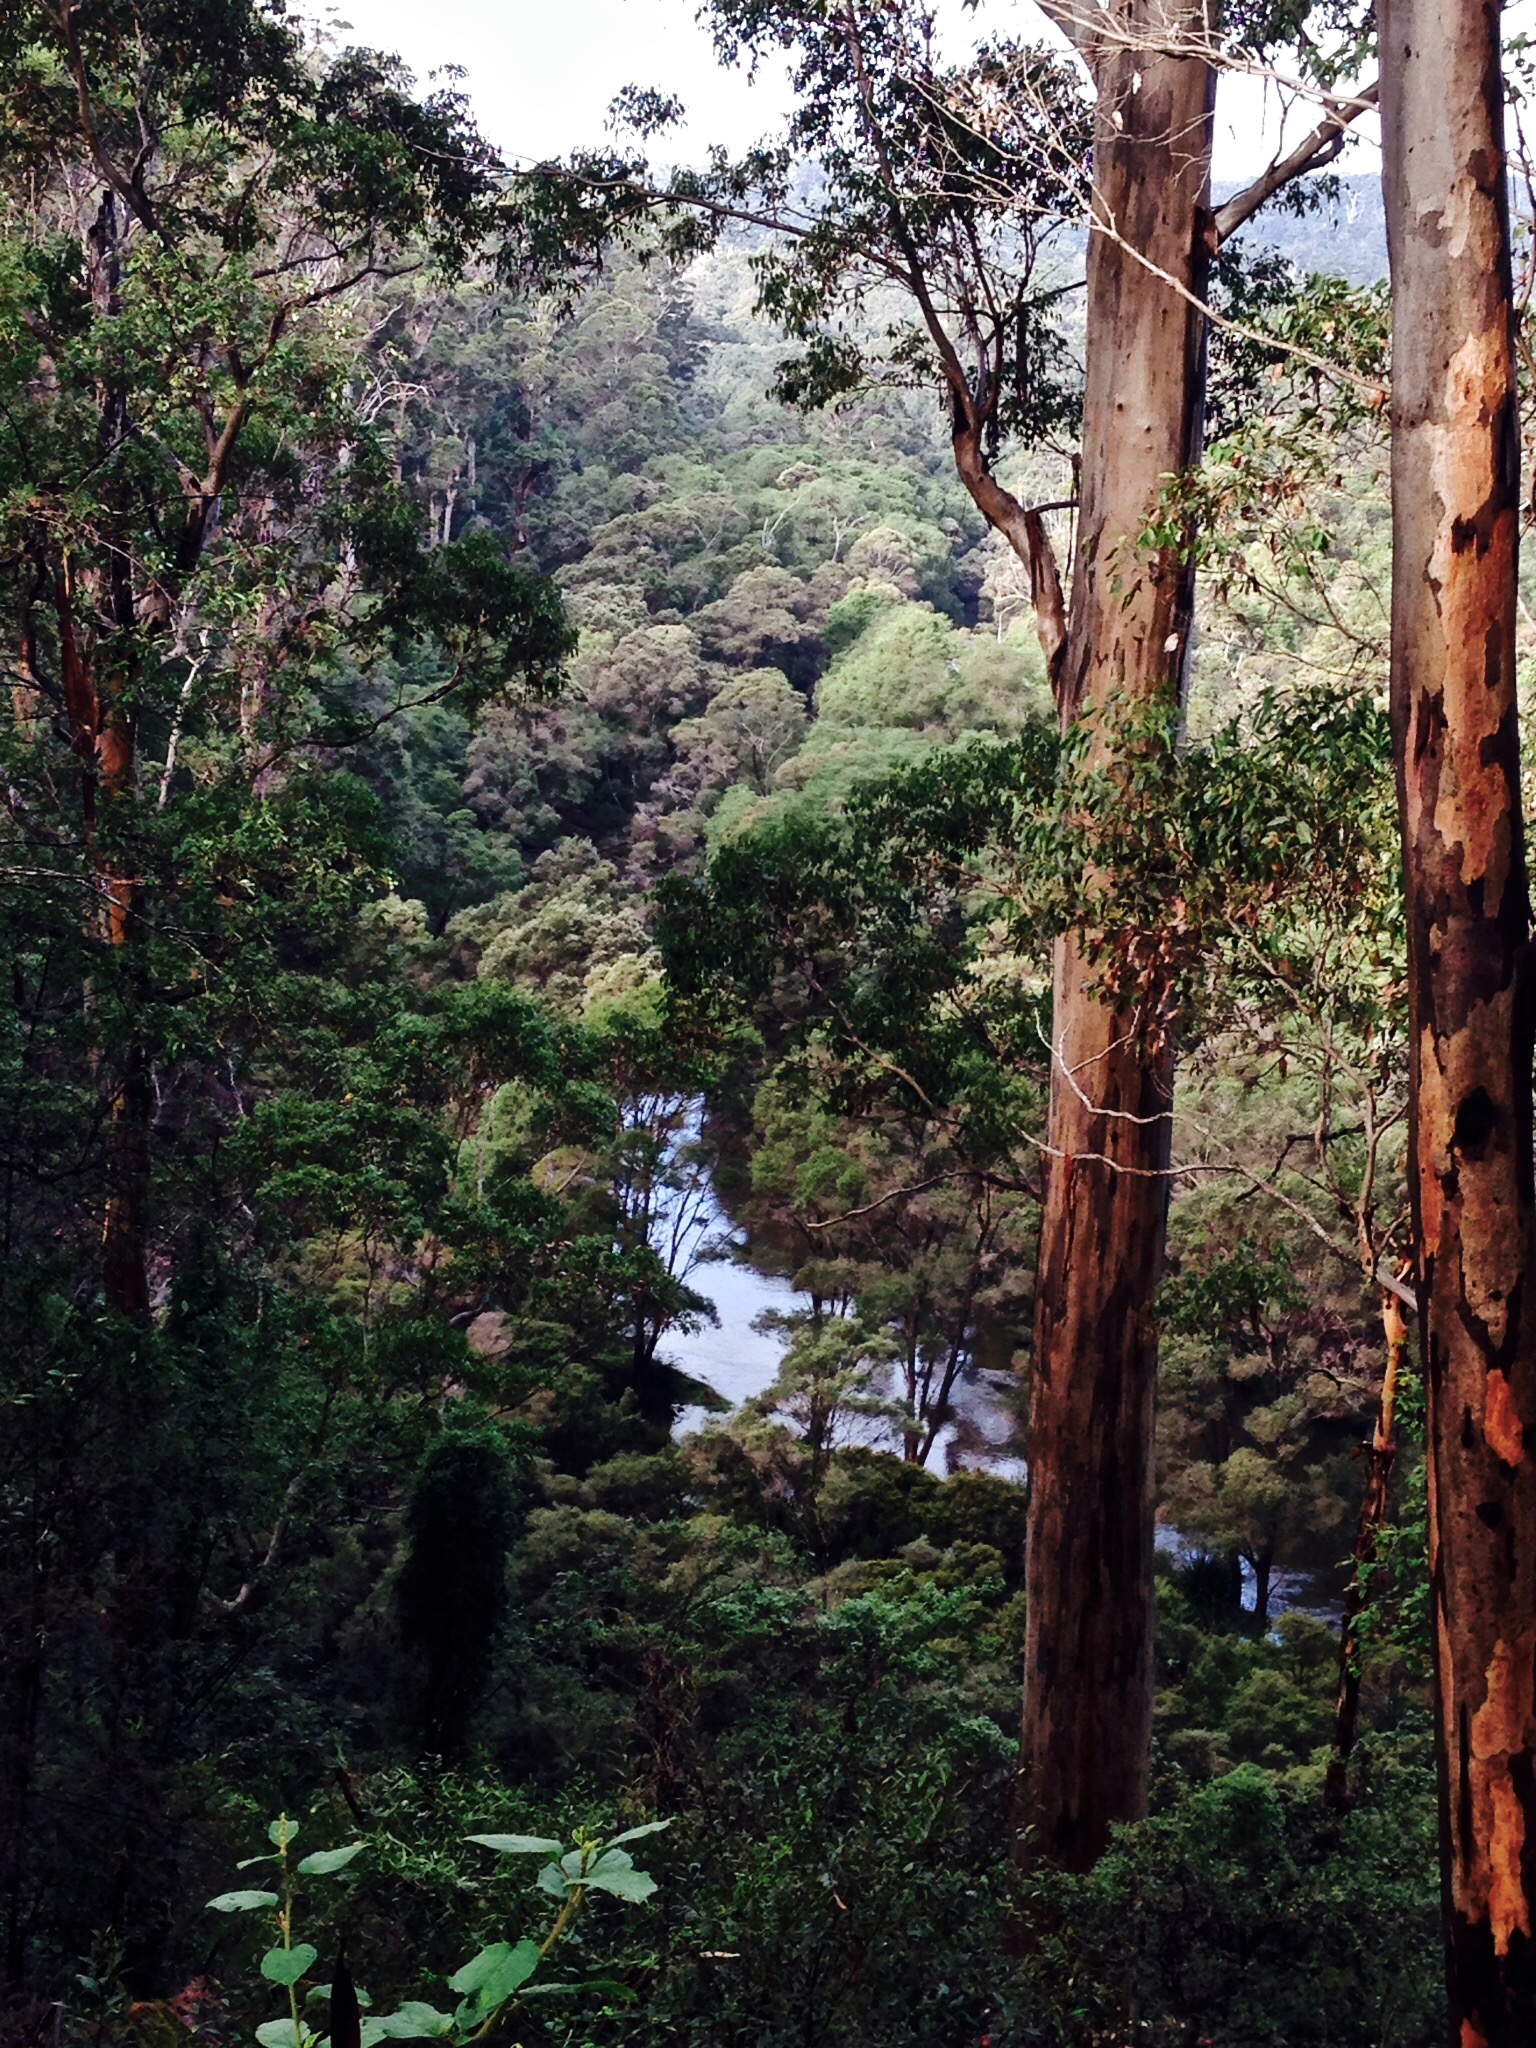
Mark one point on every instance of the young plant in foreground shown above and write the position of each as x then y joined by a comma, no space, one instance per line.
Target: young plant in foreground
489,1984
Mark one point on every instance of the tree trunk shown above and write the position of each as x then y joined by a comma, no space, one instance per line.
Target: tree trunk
1373,1516
1088,1648
1455,475
125,1225
1263,1562
124,1234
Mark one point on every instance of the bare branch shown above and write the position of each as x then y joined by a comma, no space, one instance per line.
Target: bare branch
1315,150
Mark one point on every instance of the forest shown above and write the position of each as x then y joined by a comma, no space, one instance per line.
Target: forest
766,1042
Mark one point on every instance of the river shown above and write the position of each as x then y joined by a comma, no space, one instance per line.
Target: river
738,1361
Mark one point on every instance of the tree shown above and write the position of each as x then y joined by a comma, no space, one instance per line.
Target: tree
1260,1384
1087,1723
947,185
452,1589
1456,514
908,934
832,1377
191,197
879,1211
1088,1652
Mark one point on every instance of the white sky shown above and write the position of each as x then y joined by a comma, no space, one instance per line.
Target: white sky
541,73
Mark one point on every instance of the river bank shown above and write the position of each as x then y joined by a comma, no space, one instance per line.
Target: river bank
738,1359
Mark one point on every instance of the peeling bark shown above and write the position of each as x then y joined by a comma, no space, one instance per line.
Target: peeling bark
1455,466
1088,1647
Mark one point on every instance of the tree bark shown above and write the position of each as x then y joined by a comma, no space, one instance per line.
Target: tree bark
1088,1646
1455,474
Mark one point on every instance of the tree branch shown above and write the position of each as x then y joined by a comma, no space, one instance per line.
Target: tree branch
1320,147
1076,25
129,190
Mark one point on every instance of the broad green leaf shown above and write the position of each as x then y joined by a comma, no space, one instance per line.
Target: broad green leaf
651,1827
517,1845
498,1971
281,1832
413,2022
287,1965
283,2034
323,1861
551,1879
241,1902
624,1884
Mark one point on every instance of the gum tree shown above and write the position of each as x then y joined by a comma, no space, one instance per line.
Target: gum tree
1456,514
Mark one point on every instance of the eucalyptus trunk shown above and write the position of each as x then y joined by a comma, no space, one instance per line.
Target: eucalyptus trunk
1088,1645
1455,475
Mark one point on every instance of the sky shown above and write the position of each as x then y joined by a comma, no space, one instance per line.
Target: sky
541,73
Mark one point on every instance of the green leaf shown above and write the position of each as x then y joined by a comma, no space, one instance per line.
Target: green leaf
250,1862
318,1991
624,1884
241,1902
283,2034
492,1976
324,1861
551,1879
517,1845
607,1987
415,2021
287,1965
280,1832
652,1827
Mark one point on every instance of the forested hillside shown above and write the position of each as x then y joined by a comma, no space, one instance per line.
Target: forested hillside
565,748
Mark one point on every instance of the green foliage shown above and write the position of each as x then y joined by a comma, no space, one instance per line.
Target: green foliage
490,1984
910,930
1244,1905
909,667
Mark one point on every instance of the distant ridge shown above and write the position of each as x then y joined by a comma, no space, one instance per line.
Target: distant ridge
1346,238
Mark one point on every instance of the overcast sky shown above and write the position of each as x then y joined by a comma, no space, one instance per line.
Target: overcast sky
540,73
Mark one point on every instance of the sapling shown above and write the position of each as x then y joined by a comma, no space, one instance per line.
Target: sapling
489,1985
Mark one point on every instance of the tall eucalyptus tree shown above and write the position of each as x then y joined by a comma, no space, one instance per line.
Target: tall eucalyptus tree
1455,533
